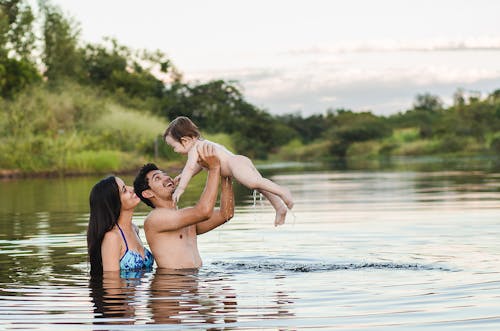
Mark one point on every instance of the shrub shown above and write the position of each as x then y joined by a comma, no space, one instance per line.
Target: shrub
128,130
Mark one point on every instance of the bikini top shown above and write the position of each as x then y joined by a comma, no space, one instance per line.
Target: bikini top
133,260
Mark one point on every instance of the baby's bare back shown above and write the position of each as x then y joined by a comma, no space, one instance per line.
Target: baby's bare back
225,157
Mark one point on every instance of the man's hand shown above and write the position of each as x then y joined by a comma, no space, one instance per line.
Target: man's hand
207,157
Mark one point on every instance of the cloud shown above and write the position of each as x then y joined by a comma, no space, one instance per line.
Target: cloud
381,45
385,82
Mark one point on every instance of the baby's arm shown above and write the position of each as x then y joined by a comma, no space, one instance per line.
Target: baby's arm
191,168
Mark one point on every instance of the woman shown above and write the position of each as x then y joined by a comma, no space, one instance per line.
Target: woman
112,239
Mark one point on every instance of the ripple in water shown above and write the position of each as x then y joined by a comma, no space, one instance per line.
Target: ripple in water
317,267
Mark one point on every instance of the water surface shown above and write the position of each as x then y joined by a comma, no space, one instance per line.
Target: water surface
398,249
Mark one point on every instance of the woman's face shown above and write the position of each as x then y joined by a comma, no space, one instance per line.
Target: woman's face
127,196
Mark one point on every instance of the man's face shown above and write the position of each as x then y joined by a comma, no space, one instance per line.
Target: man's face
161,185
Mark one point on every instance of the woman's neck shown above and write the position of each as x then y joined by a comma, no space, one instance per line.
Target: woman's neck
125,219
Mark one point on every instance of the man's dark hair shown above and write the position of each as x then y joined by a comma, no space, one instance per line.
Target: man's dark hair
141,182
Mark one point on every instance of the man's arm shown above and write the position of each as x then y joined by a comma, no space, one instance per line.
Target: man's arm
202,211
226,211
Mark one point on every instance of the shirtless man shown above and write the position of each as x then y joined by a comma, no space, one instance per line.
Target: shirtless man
171,232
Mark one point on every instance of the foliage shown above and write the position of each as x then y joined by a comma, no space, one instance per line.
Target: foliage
61,56
308,129
348,127
128,130
104,106
219,106
17,43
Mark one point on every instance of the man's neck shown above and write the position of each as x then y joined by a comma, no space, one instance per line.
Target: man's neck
170,204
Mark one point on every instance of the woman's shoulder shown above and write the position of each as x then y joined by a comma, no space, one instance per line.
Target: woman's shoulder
112,237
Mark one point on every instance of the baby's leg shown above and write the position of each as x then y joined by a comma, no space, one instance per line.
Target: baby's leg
278,206
245,172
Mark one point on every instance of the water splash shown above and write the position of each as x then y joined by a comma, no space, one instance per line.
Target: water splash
318,267
255,198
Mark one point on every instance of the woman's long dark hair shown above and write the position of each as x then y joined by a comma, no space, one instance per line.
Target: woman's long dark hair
105,208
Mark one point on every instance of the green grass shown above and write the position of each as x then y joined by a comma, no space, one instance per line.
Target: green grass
99,161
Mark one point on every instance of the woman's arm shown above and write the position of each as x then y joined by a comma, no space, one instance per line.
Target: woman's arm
110,251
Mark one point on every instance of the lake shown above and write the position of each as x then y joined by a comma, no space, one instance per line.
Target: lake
386,247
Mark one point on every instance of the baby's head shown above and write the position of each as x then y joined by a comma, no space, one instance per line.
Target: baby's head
180,131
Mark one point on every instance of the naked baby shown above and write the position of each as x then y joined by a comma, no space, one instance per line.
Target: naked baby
183,136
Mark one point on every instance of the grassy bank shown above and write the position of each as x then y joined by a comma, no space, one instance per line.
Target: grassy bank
401,143
75,131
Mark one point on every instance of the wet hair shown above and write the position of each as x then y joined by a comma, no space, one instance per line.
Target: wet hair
182,127
141,182
105,206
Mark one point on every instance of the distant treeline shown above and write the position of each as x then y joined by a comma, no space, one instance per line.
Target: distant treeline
68,106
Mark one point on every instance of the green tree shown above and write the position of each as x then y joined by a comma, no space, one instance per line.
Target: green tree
219,106
347,127
308,129
427,102
17,43
17,39
61,55
117,69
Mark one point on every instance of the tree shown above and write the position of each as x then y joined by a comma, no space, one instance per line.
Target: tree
309,128
119,70
61,55
219,106
17,39
17,42
347,127
427,102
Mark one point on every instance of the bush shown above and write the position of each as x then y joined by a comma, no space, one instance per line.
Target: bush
40,111
364,149
128,130
98,161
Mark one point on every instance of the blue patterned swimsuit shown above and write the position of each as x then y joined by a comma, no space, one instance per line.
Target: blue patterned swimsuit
133,260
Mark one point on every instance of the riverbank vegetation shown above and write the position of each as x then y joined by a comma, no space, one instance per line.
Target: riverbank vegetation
71,107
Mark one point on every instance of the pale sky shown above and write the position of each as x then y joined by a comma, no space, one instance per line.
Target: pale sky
308,56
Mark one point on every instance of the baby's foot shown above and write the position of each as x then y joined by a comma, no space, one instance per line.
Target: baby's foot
280,216
287,198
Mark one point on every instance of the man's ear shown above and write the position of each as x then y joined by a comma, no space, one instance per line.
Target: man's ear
148,194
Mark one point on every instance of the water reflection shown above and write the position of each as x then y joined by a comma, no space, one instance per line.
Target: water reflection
165,297
366,249
113,297
179,297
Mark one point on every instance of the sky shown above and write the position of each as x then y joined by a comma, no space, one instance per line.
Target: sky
309,56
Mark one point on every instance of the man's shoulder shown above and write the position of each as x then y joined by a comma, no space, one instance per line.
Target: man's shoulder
159,214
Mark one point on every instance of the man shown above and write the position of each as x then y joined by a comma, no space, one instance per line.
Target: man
171,232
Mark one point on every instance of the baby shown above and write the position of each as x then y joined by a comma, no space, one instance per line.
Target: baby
183,136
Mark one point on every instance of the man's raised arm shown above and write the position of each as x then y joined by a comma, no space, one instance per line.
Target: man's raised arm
224,213
164,219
